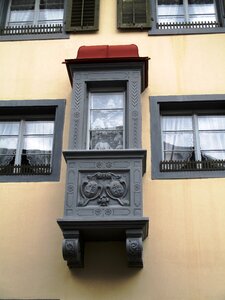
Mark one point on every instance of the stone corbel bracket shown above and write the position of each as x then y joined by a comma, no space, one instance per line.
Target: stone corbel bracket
76,232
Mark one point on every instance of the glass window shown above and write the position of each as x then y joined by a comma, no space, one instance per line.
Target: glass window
26,143
186,11
34,12
106,121
192,138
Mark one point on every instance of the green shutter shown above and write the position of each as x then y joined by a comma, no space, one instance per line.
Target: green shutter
3,12
82,15
133,14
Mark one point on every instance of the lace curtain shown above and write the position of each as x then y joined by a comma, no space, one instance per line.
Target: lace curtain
8,141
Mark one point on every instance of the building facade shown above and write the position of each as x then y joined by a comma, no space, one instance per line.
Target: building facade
112,143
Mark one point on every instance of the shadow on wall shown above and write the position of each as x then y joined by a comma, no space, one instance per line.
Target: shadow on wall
105,260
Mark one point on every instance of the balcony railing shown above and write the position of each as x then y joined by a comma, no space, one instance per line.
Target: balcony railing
180,166
25,170
174,25
32,29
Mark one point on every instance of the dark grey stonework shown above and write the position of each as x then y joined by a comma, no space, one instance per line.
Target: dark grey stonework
132,81
103,197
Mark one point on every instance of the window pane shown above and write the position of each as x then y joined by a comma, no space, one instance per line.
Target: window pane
8,147
106,119
201,11
9,128
179,141
170,11
21,12
39,127
212,141
104,140
51,11
37,150
174,156
38,143
211,122
176,123
213,155
106,100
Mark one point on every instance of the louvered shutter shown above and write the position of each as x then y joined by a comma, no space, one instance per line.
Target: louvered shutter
133,14
82,15
3,12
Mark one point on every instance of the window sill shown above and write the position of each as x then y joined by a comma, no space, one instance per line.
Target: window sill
30,37
192,166
185,31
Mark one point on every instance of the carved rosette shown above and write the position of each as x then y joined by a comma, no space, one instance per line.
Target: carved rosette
73,252
103,187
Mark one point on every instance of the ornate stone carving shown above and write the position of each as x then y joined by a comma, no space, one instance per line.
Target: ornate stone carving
134,248
104,187
73,252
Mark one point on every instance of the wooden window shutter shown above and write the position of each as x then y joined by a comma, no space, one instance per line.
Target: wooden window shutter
3,12
82,15
133,14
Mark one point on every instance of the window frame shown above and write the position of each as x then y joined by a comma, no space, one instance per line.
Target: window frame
121,91
220,13
26,107
187,103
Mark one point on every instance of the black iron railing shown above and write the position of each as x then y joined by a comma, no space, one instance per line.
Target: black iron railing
25,170
179,166
32,29
174,25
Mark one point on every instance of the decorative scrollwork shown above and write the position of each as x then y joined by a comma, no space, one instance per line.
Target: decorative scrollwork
103,187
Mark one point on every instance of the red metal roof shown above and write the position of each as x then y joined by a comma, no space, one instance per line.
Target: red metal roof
106,51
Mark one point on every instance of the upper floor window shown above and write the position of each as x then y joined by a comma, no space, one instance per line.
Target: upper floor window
187,16
34,12
31,140
106,121
188,136
186,11
45,19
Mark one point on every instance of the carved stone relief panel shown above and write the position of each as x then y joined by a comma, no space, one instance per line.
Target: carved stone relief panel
103,189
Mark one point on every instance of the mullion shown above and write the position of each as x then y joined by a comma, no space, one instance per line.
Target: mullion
19,147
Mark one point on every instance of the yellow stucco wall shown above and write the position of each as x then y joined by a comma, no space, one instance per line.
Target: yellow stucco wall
184,255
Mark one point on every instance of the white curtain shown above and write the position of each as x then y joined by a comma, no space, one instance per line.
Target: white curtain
212,136
52,16
38,142
21,17
177,137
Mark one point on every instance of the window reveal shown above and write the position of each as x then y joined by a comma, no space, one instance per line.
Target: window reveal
106,121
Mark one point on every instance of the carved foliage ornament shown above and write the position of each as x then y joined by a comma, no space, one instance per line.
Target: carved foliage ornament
103,187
